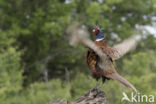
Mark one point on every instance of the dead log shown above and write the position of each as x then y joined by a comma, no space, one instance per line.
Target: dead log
94,96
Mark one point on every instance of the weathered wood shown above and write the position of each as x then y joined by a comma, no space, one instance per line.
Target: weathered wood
94,96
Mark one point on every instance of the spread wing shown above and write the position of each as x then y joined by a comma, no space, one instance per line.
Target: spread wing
79,35
122,48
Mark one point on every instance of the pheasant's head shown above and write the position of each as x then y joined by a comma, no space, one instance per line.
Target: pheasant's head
98,34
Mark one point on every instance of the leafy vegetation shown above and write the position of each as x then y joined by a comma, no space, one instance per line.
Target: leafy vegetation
37,64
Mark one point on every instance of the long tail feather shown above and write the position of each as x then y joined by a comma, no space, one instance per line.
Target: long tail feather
116,76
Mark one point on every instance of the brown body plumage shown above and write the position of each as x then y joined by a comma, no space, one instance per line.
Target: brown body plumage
98,72
99,56
92,60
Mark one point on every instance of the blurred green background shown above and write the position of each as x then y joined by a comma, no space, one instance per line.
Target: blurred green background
37,64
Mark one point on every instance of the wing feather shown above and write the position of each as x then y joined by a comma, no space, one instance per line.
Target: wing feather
112,52
124,47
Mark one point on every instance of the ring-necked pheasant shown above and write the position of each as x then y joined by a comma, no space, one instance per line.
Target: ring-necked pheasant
99,70
99,56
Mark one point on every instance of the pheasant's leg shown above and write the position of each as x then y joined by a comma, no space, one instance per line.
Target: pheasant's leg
96,83
103,80
95,87
96,77
99,87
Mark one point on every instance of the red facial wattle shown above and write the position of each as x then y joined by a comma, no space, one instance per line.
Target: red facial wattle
96,30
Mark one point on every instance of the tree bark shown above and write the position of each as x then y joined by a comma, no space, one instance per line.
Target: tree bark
94,96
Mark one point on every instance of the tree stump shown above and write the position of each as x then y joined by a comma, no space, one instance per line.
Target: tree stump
94,96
